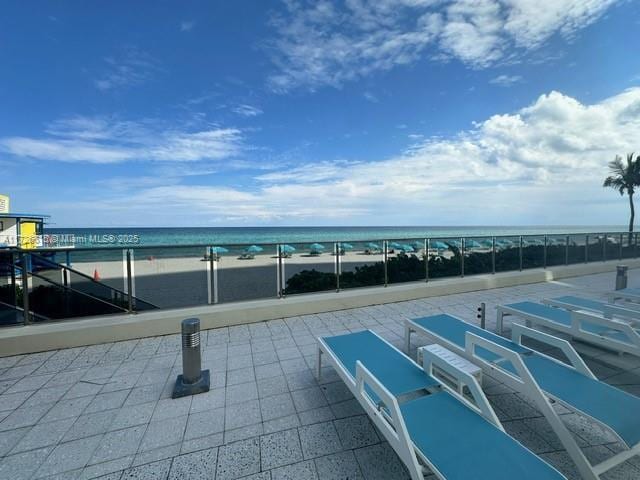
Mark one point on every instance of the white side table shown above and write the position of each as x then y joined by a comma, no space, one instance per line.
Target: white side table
453,359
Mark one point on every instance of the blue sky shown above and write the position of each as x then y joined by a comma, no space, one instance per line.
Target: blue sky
413,112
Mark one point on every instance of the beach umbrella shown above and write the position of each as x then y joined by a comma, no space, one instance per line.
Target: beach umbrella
471,244
346,246
487,243
372,246
253,249
439,245
455,243
395,246
316,246
219,250
287,249
417,245
407,248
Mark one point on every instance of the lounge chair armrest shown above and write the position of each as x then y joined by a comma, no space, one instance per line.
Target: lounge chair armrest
392,414
482,405
579,316
518,331
472,341
627,313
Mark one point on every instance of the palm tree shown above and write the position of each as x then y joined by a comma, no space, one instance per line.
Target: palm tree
625,179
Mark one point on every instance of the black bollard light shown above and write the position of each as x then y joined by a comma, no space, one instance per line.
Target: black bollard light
482,315
621,277
192,380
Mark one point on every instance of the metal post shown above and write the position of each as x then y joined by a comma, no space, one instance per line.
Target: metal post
192,380
482,311
129,283
337,250
604,248
586,249
14,284
520,252
210,276
493,254
621,240
426,259
566,250
25,289
544,253
462,256
386,273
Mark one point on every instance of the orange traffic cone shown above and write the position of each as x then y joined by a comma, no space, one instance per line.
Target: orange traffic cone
96,275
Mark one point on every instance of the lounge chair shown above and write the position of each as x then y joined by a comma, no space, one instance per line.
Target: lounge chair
246,256
608,310
543,378
586,326
627,294
427,423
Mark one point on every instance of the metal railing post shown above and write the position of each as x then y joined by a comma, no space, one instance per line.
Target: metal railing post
493,254
544,253
566,250
426,259
25,289
604,247
336,247
462,256
520,252
129,283
279,271
586,249
482,315
385,258
14,284
621,240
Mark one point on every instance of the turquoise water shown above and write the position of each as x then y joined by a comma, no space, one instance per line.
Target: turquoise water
117,237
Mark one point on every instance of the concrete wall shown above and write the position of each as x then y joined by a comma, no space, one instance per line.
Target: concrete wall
95,330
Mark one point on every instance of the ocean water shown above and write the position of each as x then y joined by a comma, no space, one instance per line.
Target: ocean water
132,237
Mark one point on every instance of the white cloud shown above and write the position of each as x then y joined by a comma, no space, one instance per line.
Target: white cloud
544,163
327,42
105,140
133,67
245,110
186,26
506,80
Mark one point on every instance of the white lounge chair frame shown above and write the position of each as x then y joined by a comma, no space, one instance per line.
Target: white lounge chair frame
632,297
527,385
389,420
610,310
576,329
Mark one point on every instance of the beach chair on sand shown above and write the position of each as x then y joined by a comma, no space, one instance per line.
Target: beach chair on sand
427,423
579,324
608,310
627,294
543,379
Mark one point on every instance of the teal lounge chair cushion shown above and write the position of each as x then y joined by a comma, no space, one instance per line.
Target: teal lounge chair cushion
462,445
394,370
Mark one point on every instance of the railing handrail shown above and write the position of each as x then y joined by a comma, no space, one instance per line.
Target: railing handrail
64,249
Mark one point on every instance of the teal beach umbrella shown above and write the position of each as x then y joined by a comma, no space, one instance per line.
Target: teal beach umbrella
219,250
287,249
254,249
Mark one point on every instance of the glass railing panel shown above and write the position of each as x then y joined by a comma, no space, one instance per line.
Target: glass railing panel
478,255
507,253
556,250
577,248
628,245
595,247
309,267
244,272
533,251
444,257
406,260
51,300
168,277
614,243
9,315
361,264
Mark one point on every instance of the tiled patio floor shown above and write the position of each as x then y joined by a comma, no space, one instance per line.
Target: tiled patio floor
105,410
